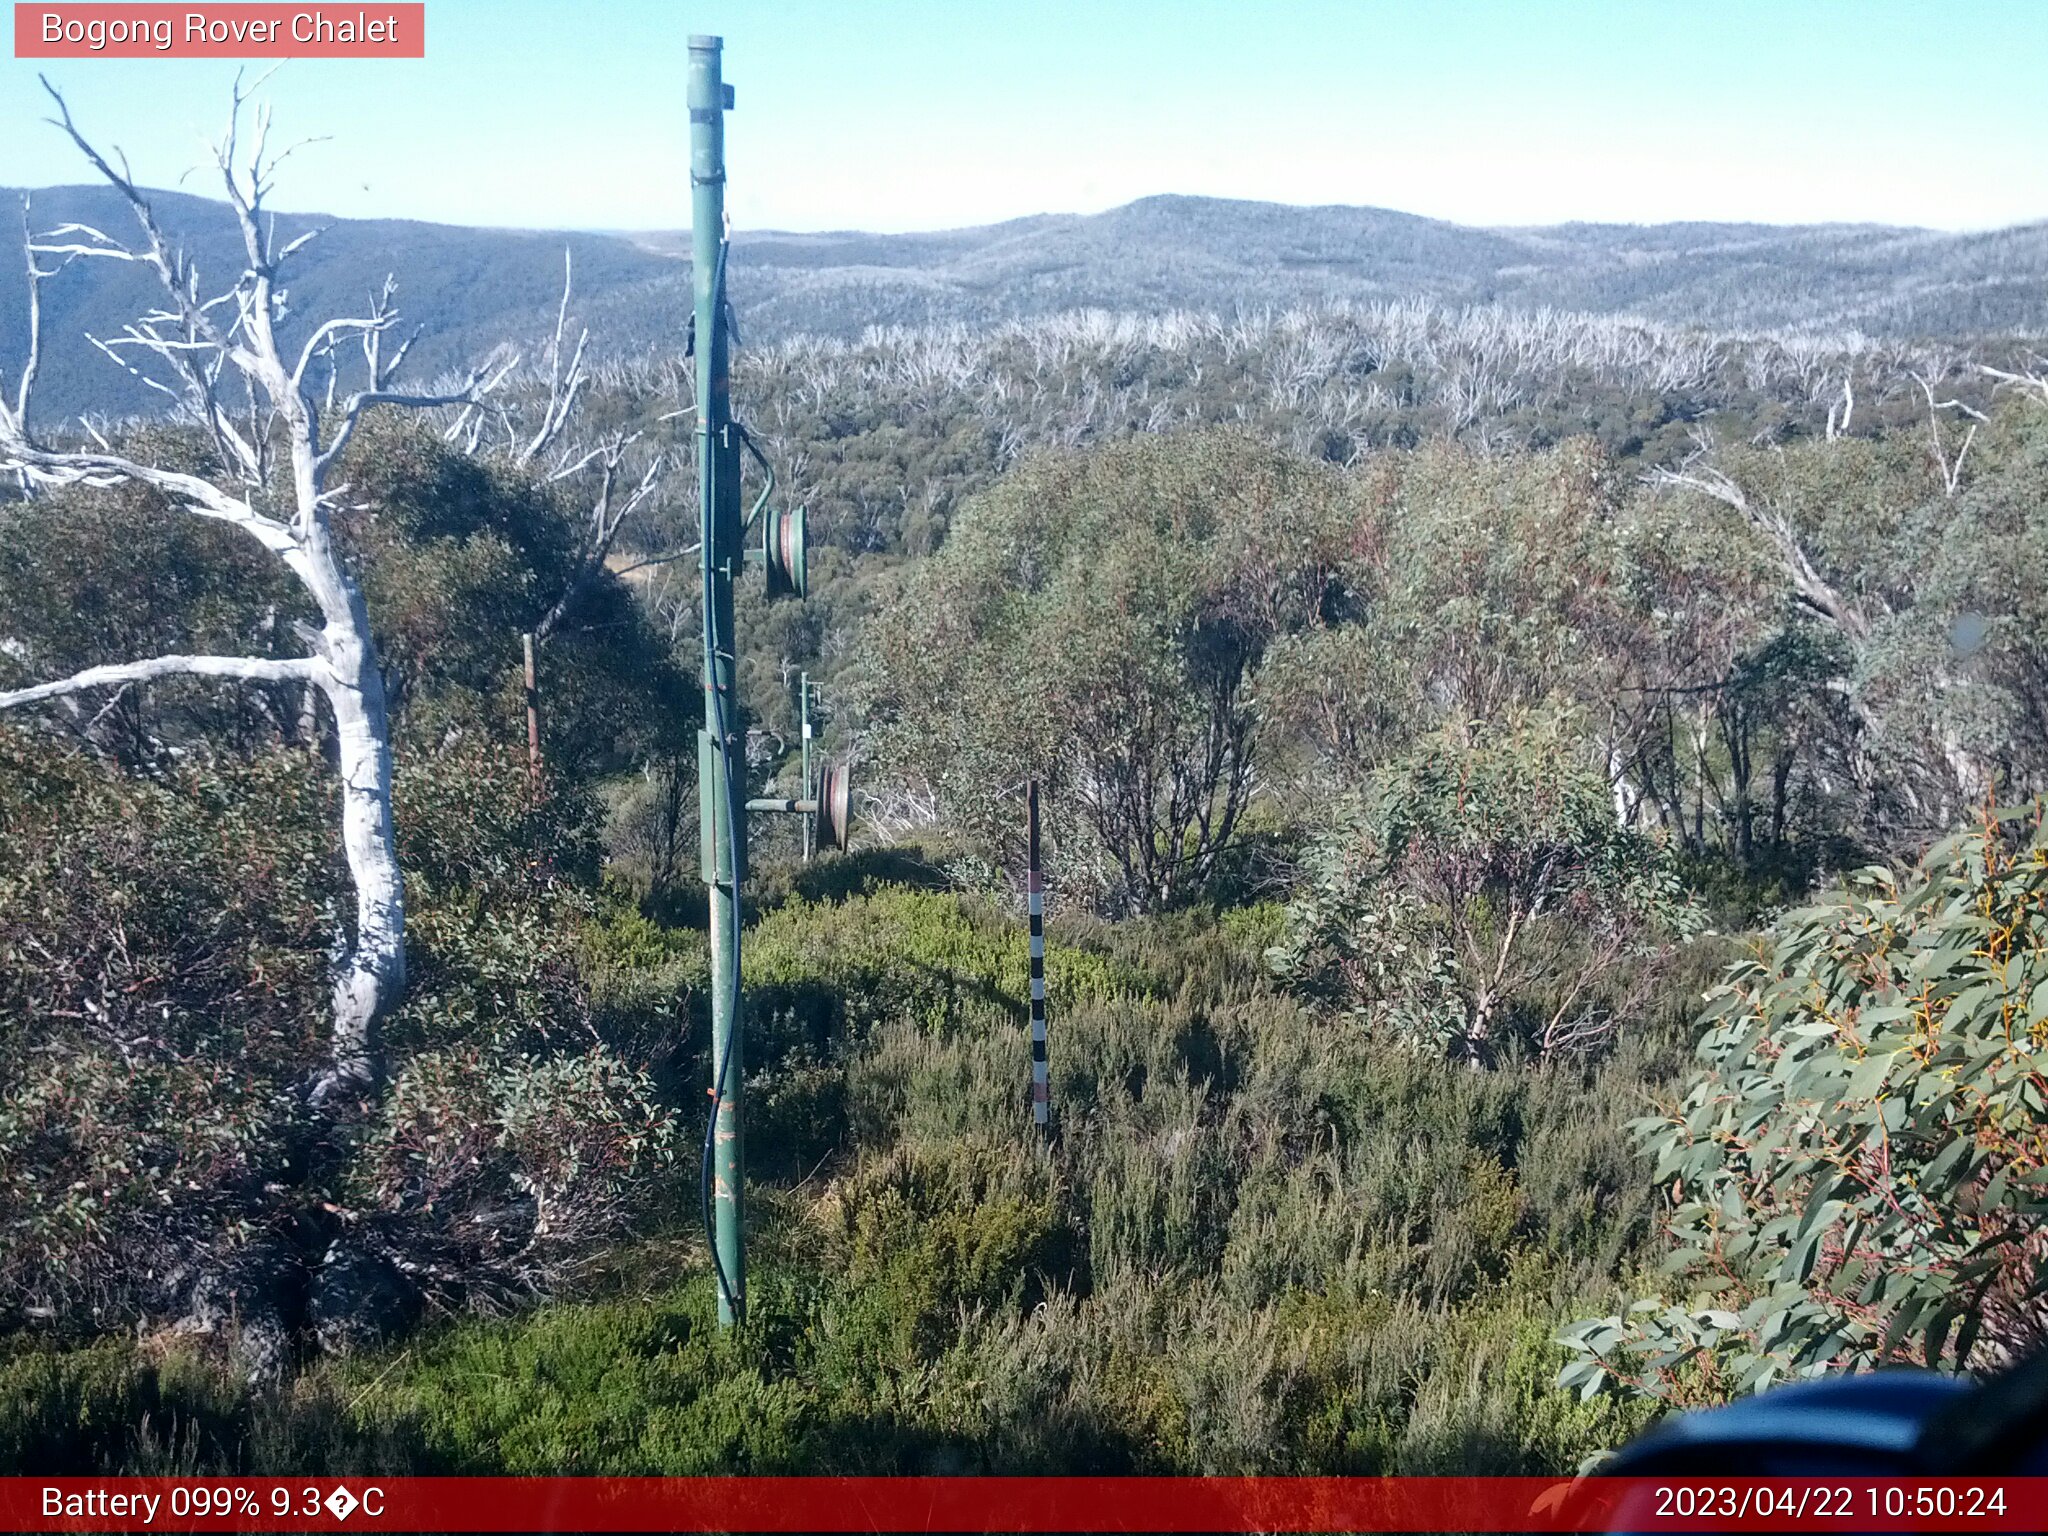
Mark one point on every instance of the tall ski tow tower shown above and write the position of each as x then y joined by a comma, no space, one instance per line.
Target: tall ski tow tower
721,758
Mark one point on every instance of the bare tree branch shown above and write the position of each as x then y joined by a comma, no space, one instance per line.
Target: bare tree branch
564,384
2033,379
607,515
653,560
323,338
1951,473
1848,405
1808,585
33,359
480,383
246,669
198,496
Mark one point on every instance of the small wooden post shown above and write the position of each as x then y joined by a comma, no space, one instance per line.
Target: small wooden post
532,716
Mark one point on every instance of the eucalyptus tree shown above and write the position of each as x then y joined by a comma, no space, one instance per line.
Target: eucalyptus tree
1852,1169
1100,620
1479,897
1910,570
276,423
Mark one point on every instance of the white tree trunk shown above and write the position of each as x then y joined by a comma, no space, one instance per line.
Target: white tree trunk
372,974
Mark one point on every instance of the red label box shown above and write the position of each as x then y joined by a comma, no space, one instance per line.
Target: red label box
372,30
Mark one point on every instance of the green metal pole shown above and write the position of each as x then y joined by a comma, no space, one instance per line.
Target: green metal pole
720,763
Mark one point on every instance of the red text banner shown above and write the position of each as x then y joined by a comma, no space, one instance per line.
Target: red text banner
1022,1504
220,31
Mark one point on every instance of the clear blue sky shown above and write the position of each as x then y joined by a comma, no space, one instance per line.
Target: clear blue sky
925,114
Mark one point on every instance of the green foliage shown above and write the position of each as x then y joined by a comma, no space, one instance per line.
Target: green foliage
1483,898
91,577
1968,665
824,979
1854,1170
1867,669
163,998
458,557
109,1407
1098,621
161,992
922,958
495,1176
929,1231
1262,1242
164,938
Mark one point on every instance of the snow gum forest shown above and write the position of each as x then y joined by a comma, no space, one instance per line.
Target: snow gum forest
1548,912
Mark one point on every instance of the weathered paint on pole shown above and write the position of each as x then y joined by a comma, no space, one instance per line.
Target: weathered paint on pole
1034,888
720,763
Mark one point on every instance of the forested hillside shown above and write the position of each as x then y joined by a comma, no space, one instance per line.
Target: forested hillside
1215,254
474,288
1465,729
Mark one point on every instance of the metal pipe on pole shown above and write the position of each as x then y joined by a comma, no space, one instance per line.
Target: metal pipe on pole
720,747
803,680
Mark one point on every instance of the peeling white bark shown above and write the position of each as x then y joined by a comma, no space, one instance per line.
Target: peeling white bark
373,975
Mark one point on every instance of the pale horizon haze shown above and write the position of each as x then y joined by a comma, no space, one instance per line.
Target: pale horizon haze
900,115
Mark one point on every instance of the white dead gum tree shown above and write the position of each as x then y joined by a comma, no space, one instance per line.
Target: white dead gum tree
277,429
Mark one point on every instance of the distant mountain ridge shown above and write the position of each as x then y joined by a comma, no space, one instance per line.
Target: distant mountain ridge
476,287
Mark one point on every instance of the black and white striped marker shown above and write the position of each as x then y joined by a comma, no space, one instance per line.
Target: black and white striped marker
1034,878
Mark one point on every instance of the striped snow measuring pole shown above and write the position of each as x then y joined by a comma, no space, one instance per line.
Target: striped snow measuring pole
1034,884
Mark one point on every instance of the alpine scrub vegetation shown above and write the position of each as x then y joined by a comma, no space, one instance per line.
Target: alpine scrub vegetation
169,910
1855,1174
1262,1243
1100,621
1481,900
162,954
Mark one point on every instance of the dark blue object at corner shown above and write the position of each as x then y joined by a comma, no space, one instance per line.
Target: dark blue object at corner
1895,1423
1868,1425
